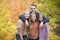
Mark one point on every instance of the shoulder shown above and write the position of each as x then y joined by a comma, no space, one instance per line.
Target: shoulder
45,20
21,17
20,21
46,24
37,14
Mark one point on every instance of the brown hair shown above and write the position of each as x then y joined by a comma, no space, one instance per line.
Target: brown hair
33,5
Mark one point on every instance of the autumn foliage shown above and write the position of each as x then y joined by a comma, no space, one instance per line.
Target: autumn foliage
11,9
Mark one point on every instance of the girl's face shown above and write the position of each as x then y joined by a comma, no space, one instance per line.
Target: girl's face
33,17
27,15
40,17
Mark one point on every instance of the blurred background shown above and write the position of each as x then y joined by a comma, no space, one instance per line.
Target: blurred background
11,9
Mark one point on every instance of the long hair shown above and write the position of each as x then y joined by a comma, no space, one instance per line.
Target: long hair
41,24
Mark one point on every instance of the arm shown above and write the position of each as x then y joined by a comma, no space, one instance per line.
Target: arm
26,23
20,29
45,20
41,25
47,31
22,18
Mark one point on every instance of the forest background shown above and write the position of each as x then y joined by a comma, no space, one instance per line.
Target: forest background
11,9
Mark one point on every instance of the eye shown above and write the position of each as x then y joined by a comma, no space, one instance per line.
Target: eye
32,8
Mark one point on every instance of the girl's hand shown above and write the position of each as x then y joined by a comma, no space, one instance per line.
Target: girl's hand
41,25
22,39
46,38
26,23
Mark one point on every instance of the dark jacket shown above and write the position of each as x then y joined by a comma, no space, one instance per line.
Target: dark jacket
37,15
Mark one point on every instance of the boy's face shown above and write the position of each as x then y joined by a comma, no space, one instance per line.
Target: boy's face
41,17
32,8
